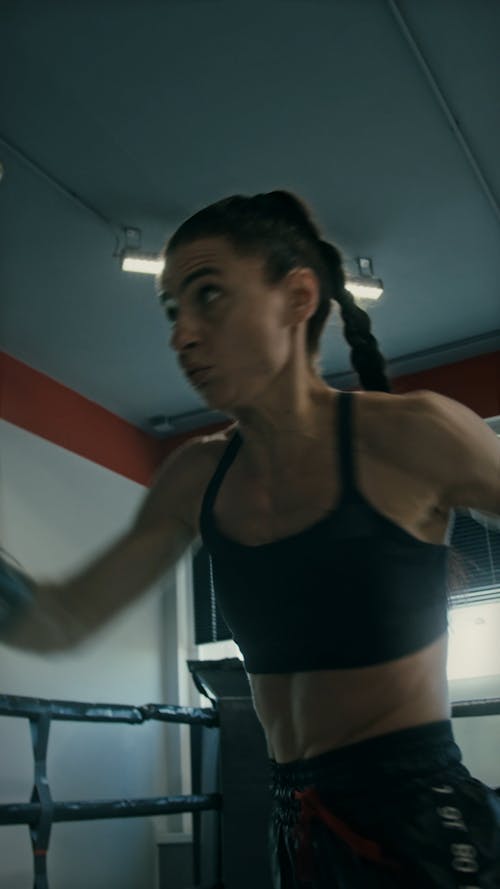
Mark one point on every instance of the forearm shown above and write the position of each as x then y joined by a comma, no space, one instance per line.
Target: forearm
35,620
64,614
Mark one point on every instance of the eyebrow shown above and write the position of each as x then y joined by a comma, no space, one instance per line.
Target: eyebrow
198,273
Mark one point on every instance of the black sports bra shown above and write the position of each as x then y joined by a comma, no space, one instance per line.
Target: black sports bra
352,590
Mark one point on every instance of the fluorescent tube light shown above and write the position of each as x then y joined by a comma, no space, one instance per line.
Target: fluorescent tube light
144,263
364,287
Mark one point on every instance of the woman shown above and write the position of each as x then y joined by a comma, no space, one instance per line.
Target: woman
342,625
326,516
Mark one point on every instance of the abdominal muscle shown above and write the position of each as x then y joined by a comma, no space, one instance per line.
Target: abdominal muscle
305,714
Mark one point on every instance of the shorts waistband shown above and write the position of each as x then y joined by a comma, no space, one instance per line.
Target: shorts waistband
416,751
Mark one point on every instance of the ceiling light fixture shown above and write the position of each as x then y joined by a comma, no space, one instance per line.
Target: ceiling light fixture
134,259
364,285
144,263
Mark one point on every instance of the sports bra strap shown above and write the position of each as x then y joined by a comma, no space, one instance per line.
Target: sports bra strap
345,440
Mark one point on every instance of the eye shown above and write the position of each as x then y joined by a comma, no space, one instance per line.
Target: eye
171,308
207,288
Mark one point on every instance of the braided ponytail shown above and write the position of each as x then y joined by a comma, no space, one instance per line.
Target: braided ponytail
365,354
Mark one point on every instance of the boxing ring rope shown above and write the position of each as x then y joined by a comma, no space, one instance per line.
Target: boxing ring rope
42,812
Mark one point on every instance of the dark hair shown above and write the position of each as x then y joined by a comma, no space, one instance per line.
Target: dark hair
279,227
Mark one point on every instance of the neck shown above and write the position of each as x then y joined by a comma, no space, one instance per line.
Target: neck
280,436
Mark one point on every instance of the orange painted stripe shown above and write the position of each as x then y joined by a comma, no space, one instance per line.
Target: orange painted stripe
33,401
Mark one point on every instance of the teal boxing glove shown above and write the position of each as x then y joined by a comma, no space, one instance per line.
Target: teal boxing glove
16,595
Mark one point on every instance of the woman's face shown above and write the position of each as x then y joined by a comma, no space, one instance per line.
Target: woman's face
226,317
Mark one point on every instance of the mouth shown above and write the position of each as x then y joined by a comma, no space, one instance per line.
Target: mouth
198,376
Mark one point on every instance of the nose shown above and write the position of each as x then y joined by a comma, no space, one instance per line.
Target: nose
184,337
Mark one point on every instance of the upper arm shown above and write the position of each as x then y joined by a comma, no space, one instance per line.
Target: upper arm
465,450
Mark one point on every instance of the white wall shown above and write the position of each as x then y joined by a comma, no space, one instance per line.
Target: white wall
57,510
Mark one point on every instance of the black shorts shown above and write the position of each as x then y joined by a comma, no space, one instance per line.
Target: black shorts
398,810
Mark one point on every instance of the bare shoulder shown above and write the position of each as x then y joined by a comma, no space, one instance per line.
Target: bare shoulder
400,429
183,477
428,434
384,408
382,418
463,449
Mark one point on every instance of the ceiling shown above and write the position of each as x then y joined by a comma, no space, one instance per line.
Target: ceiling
382,115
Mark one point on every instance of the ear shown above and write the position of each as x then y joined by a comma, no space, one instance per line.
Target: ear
304,288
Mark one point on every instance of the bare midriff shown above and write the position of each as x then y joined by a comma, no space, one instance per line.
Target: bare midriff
304,714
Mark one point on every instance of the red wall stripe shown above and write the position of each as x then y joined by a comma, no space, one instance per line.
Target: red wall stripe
33,401
474,382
